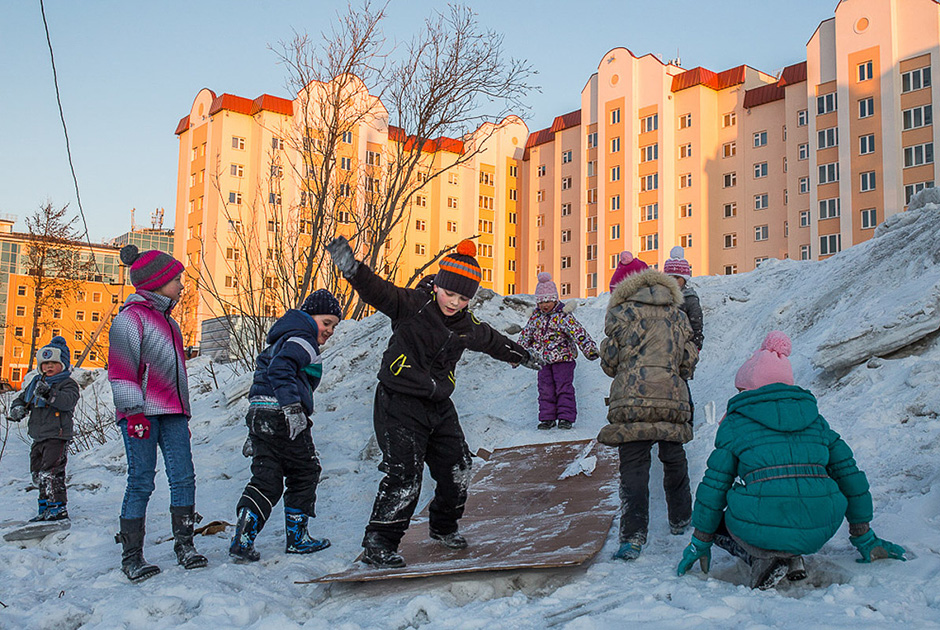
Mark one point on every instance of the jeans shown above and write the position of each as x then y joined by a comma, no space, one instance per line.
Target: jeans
171,433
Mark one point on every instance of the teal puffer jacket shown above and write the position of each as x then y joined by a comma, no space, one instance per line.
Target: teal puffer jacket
786,479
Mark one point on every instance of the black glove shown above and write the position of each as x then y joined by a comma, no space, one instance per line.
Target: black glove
17,413
42,390
342,255
534,362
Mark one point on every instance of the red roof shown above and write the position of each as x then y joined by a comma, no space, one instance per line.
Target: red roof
703,76
763,95
442,143
183,126
566,121
274,104
539,137
793,74
232,103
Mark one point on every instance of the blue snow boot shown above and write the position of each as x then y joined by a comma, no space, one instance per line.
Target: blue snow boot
43,506
628,551
55,511
242,548
298,540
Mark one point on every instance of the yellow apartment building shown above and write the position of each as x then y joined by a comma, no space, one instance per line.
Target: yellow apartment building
736,166
76,316
237,164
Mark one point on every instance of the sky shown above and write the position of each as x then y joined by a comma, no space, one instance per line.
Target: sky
128,71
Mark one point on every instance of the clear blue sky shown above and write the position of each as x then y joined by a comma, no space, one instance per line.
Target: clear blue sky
128,71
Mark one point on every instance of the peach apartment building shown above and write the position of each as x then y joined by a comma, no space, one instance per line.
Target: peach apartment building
231,147
736,166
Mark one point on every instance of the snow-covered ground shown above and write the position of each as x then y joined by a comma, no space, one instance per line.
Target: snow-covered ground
864,327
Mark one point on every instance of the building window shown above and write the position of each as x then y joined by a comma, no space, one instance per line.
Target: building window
485,250
421,225
565,209
566,236
648,153
828,138
805,253
759,260
685,121
730,180
866,144
685,211
420,249
540,245
731,241
373,158
761,201
829,208
615,116
804,218
804,185
510,265
274,199
453,178
615,202
760,170
649,123
591,224
826,103
730,270
236,170
277,171
866,107
566,262
592,195
273,225
867,181
685,240
685,180
650,212
731,209
592,140
615,145
566,181
915,79
452,202
591,252
729,120
830,244
21,289
917,117
485,226
803,152
21,311
869,218
760,139
614,175
345,163
649,243
729,149
591,168
231,282
615,232
828,173
802,118
566,288
238,143
912,189
451,226
79,316
649,182
487,179
512,218
541,170
347,137
865,71
591,280
761,232
918,154
565,157
235,198
232,253
540,195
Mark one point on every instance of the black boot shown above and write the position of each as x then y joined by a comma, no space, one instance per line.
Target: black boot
132,559
184,520
380,554
242,548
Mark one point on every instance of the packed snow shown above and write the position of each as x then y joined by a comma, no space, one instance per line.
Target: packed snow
864,326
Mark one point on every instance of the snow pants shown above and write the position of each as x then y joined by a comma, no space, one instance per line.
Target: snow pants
278,462
413,432
635,462
556,392
47,459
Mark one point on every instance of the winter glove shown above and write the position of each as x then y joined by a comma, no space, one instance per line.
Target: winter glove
17,413
248,448
42,390
696,550
138,426
296,419
873,548
342,255
533,362
592,356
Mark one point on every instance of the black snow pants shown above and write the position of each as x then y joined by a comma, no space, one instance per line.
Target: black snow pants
47,460
411,432
635,461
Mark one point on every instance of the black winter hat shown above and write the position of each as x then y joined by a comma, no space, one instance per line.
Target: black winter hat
322,302
460,271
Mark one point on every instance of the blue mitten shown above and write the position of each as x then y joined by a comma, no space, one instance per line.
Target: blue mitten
873,548
696,550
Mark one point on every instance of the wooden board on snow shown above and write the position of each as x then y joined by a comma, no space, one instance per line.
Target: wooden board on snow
533,506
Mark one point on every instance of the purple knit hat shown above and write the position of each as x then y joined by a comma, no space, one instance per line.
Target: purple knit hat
626,265
150,270
545,290
677,265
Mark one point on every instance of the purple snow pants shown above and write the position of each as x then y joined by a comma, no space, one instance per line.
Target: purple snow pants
556,392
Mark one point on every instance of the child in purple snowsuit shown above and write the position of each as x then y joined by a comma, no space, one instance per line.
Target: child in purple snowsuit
554,334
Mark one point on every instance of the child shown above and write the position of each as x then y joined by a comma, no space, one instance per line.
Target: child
415,420
49,399
679,268
798,478
553,334
648,352
626,265
147,371
279,440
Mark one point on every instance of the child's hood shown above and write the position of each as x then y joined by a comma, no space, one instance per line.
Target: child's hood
777,406
294,322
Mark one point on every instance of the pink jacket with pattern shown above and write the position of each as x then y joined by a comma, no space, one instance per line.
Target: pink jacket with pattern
146,360
556,336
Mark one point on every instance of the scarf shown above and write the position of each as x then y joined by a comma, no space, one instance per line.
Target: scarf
29,396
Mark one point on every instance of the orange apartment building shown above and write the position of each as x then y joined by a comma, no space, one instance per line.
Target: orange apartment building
230,147
736,166
76,317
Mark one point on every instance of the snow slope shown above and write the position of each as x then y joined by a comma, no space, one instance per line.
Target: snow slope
864,327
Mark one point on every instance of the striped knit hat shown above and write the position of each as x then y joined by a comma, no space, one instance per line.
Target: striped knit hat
150,270
460,272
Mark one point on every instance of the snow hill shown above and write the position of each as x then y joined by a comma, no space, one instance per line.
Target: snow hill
864,327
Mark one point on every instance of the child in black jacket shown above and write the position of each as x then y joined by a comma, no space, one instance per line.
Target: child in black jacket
415,420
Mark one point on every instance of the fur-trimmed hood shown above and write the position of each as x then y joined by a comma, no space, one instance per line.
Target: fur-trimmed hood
649,286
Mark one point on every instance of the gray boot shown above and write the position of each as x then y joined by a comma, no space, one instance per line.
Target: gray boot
184,520
132,559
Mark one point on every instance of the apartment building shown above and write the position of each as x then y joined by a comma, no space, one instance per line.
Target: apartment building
241,171
736,166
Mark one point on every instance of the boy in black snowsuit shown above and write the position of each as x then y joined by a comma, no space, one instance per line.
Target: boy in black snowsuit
279,439
415,420
49,399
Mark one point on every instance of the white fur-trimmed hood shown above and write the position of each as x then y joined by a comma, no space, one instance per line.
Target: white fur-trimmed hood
642,287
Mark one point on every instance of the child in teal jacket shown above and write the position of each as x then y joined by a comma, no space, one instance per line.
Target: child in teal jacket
780,480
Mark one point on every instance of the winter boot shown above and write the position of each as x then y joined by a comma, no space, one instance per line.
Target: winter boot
380,554
565,424
766,573
677,529
55,512
298,539
452,540
43,506
548,424
796,570
628,551
132,559
184,520
242,548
